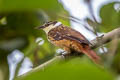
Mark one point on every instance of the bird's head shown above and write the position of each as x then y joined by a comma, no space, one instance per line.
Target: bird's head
49,25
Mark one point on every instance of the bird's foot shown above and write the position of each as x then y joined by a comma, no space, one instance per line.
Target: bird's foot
61,52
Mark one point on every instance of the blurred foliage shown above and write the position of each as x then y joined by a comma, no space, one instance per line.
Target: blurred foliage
14,5
4,69
116,60
110,16
18,20
74,69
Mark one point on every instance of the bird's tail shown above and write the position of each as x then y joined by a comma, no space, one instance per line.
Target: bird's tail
92,55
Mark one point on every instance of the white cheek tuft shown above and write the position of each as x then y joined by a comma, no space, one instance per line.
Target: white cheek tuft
57,24
47,29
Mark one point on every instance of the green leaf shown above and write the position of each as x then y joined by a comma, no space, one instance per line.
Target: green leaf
110,17
23,23
18,5
75,69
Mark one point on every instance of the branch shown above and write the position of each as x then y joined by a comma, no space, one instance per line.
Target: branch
42,66
105,38
95,43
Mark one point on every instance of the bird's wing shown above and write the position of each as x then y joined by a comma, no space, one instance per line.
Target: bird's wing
72,34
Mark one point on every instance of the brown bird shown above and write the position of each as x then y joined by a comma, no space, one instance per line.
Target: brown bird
68,39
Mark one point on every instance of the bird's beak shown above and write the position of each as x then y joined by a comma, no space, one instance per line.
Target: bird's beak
40,27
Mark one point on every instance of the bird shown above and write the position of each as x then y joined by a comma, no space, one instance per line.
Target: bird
68,39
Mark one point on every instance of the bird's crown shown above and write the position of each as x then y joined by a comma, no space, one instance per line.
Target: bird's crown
47,24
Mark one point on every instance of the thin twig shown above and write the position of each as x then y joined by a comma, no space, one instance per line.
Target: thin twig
76,20
42,66
112,51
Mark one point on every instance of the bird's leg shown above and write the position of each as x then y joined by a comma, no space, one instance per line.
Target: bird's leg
67,52
60,52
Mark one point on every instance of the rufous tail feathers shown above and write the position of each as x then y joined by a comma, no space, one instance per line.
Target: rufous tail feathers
91,54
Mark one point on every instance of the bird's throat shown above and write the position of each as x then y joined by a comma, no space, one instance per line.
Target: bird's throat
47,29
